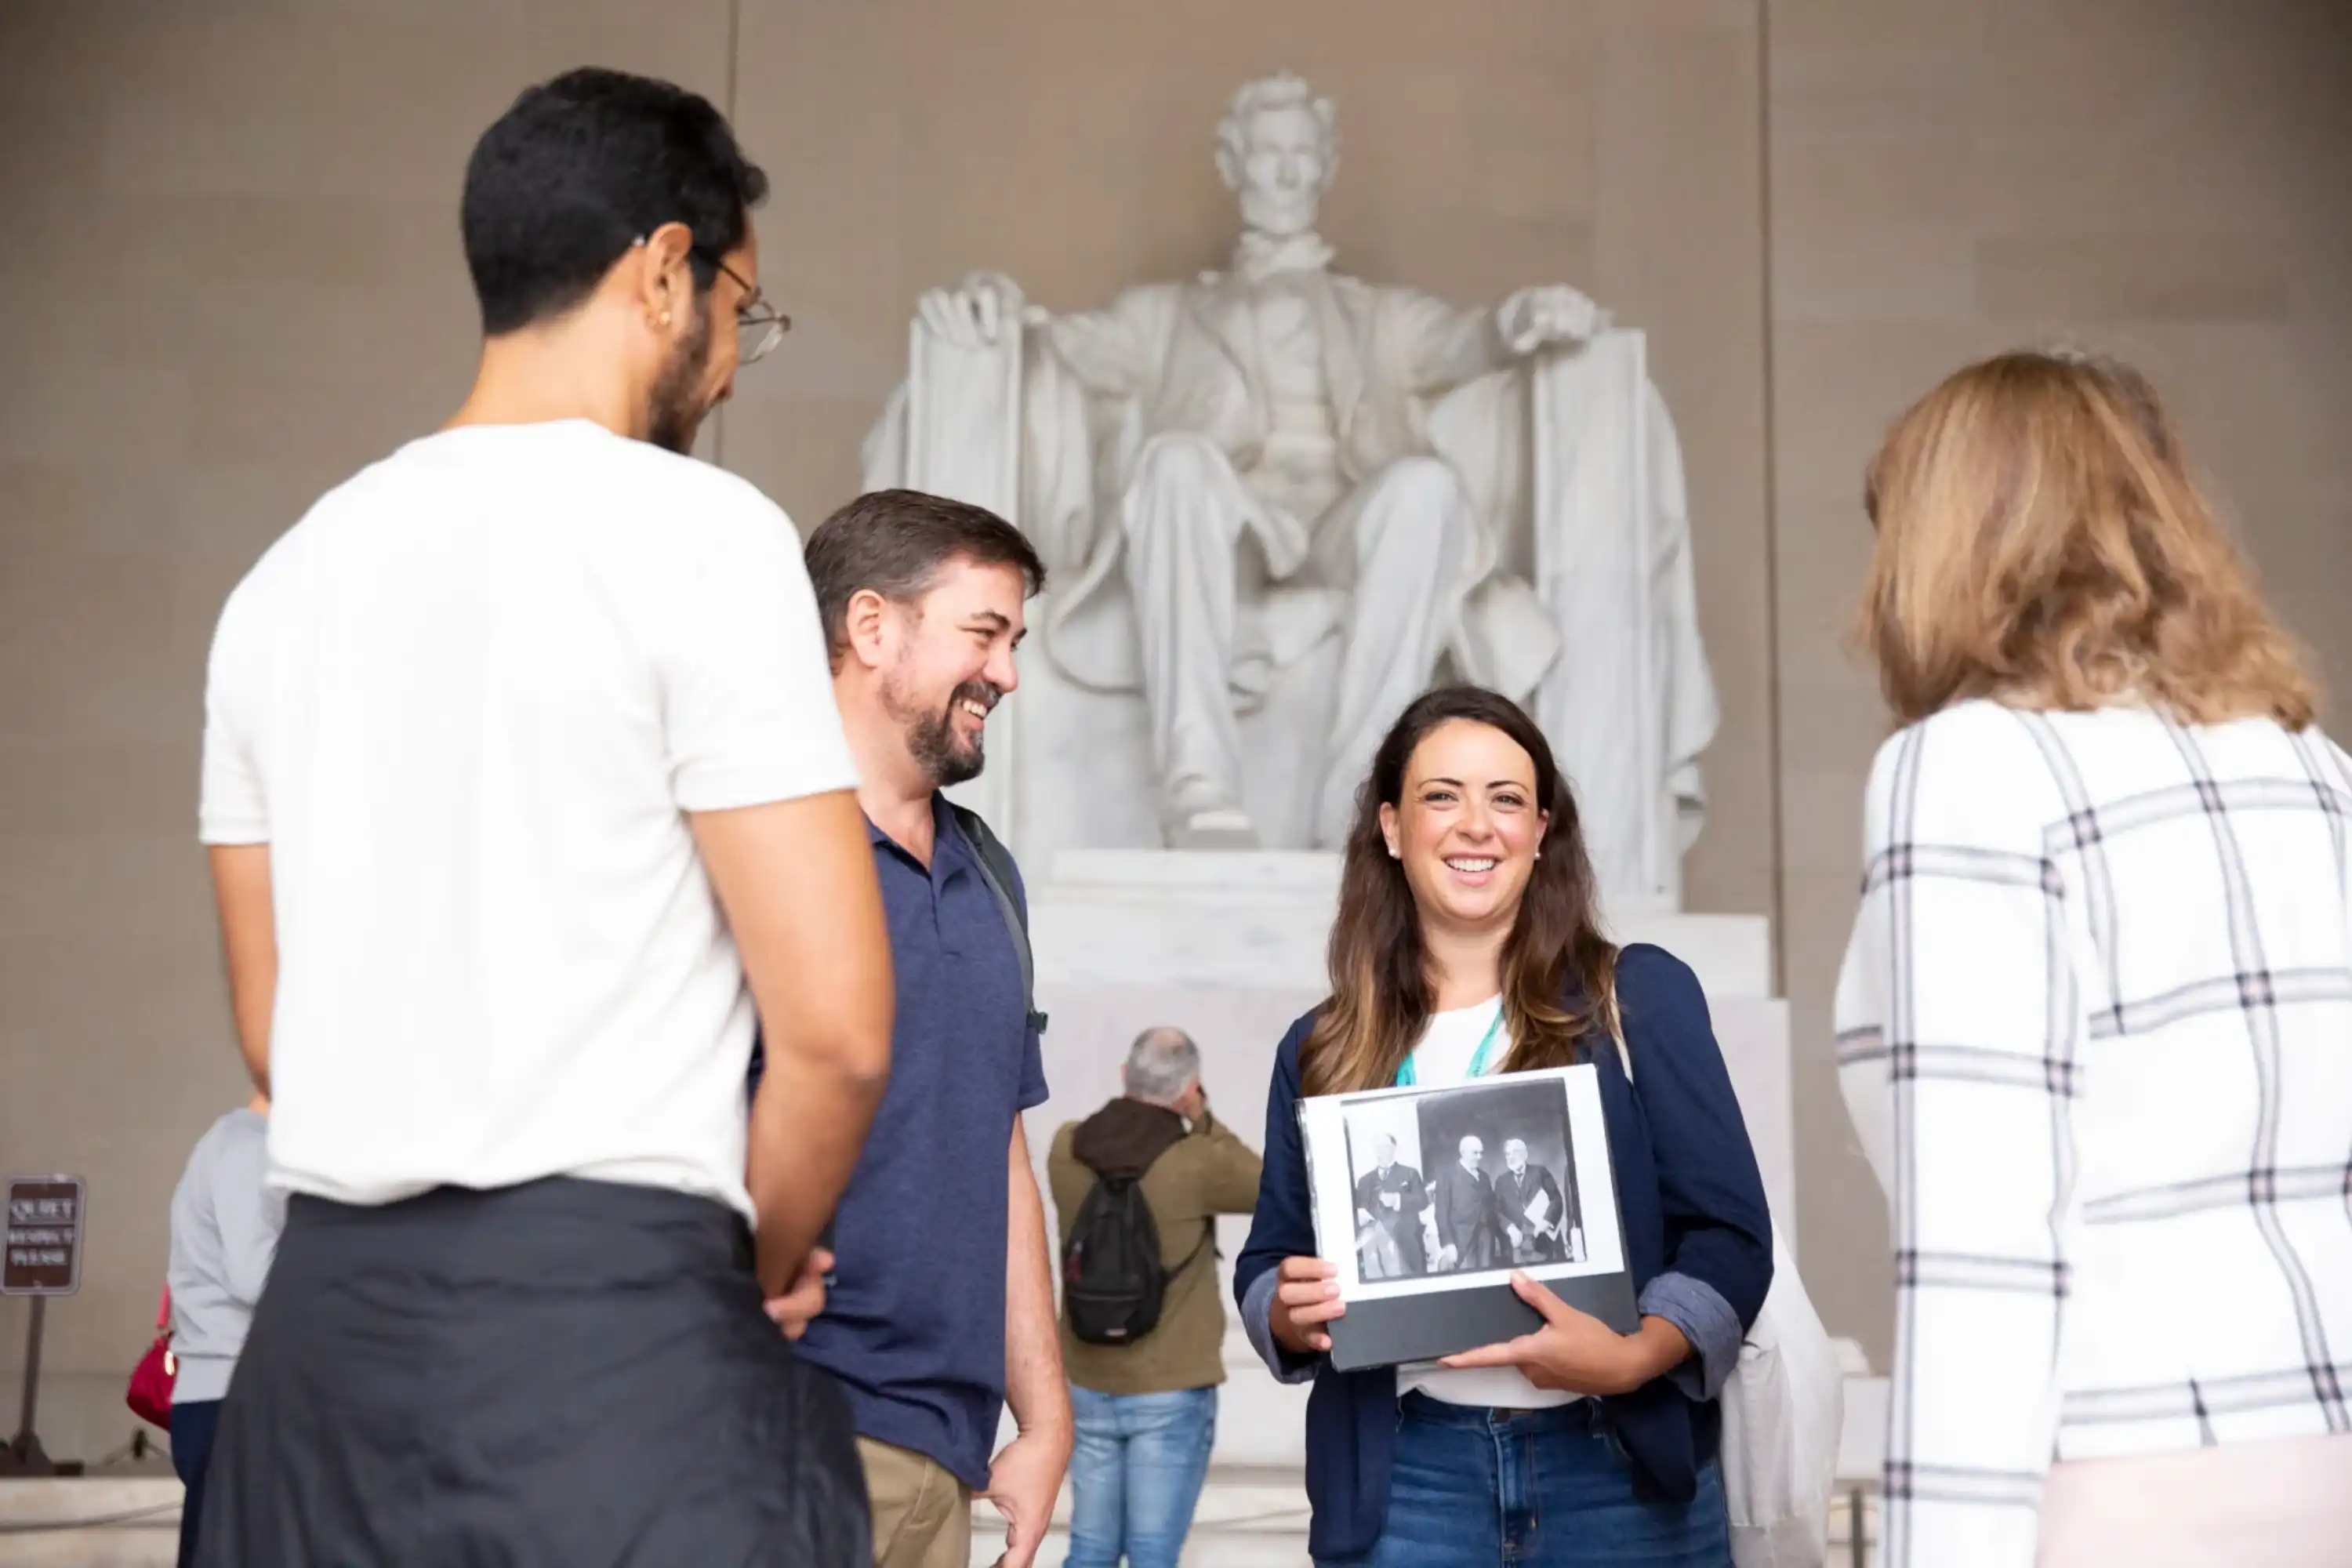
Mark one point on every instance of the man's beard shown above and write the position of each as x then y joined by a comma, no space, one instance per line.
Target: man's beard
946,760
678,403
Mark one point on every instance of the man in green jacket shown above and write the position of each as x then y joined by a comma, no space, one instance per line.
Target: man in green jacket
1147,1410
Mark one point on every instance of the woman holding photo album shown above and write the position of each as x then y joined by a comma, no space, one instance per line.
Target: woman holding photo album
1467,948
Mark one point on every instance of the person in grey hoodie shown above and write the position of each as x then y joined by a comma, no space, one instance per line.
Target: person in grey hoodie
225,1224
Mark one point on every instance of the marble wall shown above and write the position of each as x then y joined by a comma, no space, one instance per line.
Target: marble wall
2162,178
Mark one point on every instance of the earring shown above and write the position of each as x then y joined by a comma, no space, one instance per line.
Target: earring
1395,853
665,318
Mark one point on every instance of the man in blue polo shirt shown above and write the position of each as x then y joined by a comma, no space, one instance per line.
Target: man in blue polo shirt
941,1310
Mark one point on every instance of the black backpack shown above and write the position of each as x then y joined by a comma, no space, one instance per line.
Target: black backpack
1112,1280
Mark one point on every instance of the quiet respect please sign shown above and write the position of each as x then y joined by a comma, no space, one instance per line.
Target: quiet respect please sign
44,1237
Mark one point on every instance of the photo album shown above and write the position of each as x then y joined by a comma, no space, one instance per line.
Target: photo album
1427,1199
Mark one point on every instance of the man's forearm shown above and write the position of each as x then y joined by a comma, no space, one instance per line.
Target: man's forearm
796,880
1033,1385
243,893
808,1126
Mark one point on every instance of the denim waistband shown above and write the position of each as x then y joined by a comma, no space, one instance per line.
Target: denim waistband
1416,1406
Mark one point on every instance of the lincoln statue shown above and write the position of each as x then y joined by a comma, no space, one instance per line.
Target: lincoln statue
1230,473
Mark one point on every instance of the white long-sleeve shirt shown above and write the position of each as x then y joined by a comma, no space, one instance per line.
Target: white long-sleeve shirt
2096,1033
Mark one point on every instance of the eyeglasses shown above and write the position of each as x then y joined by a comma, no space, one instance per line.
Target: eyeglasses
759,325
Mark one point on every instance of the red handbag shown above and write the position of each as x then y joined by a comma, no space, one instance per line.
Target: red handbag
150,1396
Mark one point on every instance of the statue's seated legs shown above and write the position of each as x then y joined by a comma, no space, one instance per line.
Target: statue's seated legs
1400,543
1185,513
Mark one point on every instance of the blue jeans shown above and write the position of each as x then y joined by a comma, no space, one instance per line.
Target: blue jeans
1136,1474
1544,1489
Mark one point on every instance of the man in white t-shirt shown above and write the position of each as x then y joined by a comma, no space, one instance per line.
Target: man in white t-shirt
520,759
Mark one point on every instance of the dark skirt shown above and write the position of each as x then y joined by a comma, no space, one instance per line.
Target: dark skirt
193,1424
565,1375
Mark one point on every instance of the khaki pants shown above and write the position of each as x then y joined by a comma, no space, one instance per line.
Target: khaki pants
922,1515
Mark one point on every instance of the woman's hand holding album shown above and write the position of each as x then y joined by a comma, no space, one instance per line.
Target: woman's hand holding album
1307,1299
1576,1352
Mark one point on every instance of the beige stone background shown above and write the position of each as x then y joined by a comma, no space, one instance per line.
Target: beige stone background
232,264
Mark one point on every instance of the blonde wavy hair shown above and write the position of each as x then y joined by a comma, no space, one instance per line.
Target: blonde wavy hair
2041,543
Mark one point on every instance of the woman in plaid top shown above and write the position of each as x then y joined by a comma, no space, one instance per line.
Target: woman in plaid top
2096,1019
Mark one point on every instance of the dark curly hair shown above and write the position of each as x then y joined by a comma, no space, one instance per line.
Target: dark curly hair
580,169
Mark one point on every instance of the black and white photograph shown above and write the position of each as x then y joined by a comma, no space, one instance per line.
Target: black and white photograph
1433,1196
1463,1181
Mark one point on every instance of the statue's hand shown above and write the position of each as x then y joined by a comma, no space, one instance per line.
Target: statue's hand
976,313
1536,318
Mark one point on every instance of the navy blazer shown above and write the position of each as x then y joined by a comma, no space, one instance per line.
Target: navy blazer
1693,1204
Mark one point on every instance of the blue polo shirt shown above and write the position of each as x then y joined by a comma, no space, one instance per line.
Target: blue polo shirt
914,1325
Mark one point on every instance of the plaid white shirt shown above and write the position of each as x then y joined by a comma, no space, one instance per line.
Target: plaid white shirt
2094,1028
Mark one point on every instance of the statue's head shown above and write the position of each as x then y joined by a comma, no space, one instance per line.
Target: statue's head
1277,150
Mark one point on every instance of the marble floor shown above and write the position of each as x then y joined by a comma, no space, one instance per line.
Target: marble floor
1256,1516
1249,1517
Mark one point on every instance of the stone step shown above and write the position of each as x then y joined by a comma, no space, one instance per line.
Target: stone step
1250,1516
89,1521
1201,918
1302,873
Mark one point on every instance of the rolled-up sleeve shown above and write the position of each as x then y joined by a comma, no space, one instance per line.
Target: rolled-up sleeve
1257,1321
1707,1320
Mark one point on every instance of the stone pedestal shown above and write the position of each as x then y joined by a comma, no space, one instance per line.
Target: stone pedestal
1230,947
1259,921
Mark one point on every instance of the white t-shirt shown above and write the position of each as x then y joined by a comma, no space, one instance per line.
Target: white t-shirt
468,701
1443,1057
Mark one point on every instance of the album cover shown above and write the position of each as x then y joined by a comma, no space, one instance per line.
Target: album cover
1427,1199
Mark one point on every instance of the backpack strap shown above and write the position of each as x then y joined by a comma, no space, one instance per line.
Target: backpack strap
1208,1223
997,870
1208,1234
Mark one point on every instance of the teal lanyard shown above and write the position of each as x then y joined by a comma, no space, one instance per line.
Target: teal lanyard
1406,1078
